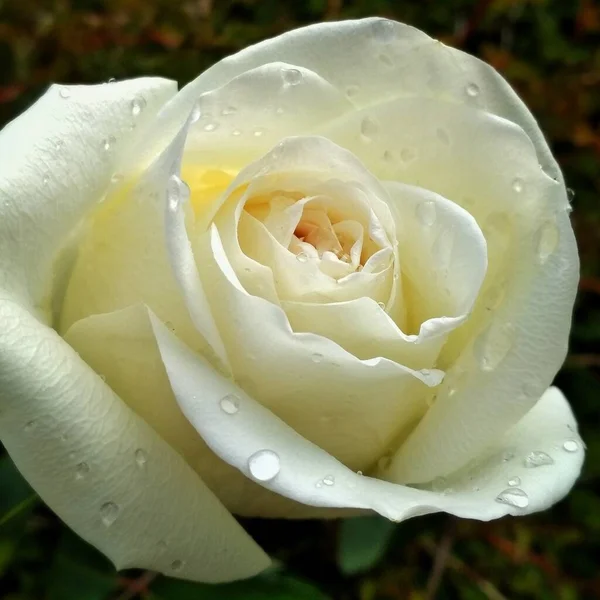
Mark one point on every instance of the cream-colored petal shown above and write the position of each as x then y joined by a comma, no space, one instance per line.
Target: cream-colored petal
375,60
309,381
274,455
103,470
57,162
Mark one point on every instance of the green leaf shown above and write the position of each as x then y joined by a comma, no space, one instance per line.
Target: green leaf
16,496
363,542
265,587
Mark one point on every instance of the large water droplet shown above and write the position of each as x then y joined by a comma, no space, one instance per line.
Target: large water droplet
81,470
329,480
472,90
141,458
109,512
571,445
514,481
426,213
537,458
492,346
230,404
291,76
177,192
547,240
368,129
64,92
137,106
513,496
264,465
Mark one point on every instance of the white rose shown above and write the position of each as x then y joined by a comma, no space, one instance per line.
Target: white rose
343,250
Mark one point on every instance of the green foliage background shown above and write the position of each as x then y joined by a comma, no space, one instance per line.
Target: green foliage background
550,51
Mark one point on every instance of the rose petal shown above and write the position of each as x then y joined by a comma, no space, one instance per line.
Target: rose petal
270,452
107,474
57,161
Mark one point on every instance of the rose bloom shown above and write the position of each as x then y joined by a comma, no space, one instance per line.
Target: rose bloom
334,274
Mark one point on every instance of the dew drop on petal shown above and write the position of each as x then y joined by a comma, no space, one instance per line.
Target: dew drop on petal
116,178
537,458
137,106
141,458
368,128
292,76
472,90
317,357
230,404
210,127
513,496
302,257
109,513
426,213
177,565
177,192
196,113
236,132
108,142
518,185
81,470
571,445
492,346
64,92
514,481
381,305
329,480
508,456
258,132
264,465
547,240
29,426
228,110
46,178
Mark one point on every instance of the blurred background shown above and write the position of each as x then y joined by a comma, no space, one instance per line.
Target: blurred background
549,50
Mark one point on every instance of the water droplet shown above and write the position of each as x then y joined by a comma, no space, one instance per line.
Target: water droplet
513,497
230,404
443,136
111,80
514,481
571,445
81,470
64,92
116,178
46,178
137,106
329,480
177,192
279,110
196,113
570,194
210,126
383,30
386,60
492,346
359,472
108,142
547,240
229,110
518,185
177,565
472,90
388,156
109,513
368,128
29,426
381,305
302,257
352,90
291,76
447,491
59,144
408,155
141,458
319,484
508,456
537,458
426,213
236,132
317,357
264,465
258,132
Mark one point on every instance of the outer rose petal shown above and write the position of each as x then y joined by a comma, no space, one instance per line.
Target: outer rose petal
103,469
270,452
57,161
